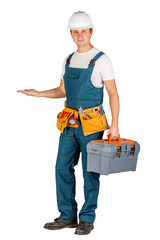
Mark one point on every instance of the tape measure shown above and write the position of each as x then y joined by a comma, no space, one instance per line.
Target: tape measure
73,121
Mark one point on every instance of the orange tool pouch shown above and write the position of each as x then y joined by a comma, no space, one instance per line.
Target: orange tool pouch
67,118
93,121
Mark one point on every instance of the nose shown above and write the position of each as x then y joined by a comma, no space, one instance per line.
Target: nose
80,35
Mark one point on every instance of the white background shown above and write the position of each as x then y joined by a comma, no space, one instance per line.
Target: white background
34,41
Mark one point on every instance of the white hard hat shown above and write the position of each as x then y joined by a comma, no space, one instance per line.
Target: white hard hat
80,20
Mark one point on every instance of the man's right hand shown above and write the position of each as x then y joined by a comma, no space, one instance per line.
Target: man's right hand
30,92
58,92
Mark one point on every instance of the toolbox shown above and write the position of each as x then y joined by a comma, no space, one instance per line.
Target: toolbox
106,156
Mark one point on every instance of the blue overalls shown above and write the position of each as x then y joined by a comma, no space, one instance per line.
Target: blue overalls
79,92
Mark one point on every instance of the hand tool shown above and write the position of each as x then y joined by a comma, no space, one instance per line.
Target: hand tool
83,112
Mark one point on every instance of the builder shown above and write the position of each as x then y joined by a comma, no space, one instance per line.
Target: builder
84,74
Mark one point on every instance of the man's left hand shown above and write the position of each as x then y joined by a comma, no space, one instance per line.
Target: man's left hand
114,131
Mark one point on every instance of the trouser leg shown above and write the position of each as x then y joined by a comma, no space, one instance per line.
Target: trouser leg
67,158
91,183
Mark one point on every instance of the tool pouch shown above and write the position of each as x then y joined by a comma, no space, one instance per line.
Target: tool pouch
93,122
63,118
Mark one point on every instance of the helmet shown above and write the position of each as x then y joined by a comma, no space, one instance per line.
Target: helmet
80,20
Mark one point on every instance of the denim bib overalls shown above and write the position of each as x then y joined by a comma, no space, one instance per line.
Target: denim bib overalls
79,92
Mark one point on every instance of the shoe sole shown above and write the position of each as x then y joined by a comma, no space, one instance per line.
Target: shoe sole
58,228
81,233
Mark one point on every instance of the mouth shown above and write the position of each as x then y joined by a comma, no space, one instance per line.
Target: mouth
80,40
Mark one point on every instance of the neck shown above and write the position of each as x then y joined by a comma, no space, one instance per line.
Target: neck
85,48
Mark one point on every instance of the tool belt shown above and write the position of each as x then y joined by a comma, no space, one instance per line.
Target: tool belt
92,119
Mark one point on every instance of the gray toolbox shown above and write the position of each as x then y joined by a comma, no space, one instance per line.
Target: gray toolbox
106,156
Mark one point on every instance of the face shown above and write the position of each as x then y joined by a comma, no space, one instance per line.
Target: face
81,37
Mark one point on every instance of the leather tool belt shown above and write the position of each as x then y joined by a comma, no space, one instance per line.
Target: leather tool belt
92,119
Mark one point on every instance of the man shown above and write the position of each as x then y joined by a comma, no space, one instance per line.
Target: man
84,74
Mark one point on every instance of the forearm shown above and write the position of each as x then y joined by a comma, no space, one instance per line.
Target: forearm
52,93
114,105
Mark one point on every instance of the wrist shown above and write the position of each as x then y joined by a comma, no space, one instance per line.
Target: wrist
40,93
114,124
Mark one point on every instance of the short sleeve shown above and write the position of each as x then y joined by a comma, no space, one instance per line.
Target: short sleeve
106,68
63,67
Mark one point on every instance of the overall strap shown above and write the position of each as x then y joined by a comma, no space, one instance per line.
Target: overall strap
69,58
92,62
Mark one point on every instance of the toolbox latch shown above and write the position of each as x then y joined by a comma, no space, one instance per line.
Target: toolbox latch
118,152
132,150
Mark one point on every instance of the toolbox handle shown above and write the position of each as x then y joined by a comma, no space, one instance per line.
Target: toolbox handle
109,138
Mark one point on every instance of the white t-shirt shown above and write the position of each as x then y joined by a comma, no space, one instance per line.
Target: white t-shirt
103,69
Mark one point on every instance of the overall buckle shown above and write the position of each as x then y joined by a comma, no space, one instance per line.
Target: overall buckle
92,63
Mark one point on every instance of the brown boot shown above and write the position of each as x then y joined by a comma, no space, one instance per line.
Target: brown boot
84,228
59,224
